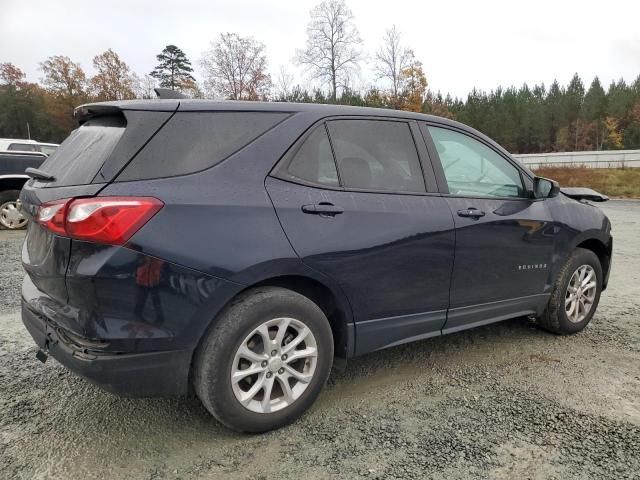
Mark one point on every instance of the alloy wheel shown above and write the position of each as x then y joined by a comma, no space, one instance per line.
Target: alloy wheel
10,216
274,365
580,294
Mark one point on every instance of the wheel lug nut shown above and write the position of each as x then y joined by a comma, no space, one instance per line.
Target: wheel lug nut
269,374
284,357
281,371
274,353
264,363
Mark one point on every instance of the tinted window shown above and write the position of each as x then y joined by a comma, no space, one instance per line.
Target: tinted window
23,147
313,162
194,141
376,155
473,169
14,164
77,160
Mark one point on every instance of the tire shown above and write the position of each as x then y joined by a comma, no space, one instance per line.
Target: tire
558,316
8,218
218,357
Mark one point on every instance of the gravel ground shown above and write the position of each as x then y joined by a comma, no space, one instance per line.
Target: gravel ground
504,401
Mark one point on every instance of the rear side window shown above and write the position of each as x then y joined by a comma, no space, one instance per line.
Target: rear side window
313,162
376,155
77,160
194,141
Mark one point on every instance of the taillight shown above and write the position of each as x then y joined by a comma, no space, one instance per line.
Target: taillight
111,220
51,216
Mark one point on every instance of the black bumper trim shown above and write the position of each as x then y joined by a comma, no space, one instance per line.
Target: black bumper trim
152,374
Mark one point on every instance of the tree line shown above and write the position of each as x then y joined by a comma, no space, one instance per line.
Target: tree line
523,119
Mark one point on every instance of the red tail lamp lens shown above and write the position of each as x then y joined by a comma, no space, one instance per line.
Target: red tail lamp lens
111,220
51,216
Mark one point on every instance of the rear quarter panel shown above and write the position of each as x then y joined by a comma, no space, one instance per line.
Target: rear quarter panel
221,223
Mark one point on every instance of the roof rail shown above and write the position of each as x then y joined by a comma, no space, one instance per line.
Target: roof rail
164,93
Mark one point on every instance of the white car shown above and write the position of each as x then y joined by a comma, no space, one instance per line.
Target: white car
18,145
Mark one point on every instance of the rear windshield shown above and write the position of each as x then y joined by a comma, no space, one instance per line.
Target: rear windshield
194,141
77,160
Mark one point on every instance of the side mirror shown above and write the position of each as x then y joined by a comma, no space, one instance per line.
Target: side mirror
545,188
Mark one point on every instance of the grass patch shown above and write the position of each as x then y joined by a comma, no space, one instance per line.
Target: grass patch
613,182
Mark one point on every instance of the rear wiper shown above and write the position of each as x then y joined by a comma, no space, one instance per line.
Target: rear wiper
39,174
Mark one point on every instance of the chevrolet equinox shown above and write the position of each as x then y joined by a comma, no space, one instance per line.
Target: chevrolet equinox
235,249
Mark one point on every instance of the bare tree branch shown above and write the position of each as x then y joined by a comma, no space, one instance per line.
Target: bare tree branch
392,58
236,68
332,52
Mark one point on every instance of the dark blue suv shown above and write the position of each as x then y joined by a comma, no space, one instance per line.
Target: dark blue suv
237,248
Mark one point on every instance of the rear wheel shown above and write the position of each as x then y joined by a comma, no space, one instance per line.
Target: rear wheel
10,216
265,360
575,295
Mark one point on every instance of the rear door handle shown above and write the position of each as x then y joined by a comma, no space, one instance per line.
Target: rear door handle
323,209
471,213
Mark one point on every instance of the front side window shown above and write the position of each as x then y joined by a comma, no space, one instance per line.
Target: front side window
473,169
376,155
313,162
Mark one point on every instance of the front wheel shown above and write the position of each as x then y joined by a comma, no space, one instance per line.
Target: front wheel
575,295
265,360
10,216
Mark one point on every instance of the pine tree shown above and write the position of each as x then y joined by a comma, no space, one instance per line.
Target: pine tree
555,117
595,111
173,69
574,98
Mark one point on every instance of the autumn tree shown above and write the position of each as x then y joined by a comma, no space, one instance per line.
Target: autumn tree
67,85
414,87
64,77
113,80
613,136
173,69
235,67
332,50
11,76
12,123
392,58
22,107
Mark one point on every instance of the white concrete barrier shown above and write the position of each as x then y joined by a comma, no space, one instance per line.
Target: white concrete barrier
600,159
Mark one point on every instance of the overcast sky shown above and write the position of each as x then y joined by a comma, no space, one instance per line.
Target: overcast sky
462,44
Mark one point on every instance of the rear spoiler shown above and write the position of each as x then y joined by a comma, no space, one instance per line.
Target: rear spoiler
580,193
87,112
83,113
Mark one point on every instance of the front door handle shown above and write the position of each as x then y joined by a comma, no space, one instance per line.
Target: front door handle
324,209
471,213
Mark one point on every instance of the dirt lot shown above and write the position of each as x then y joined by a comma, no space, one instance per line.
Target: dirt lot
504,401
